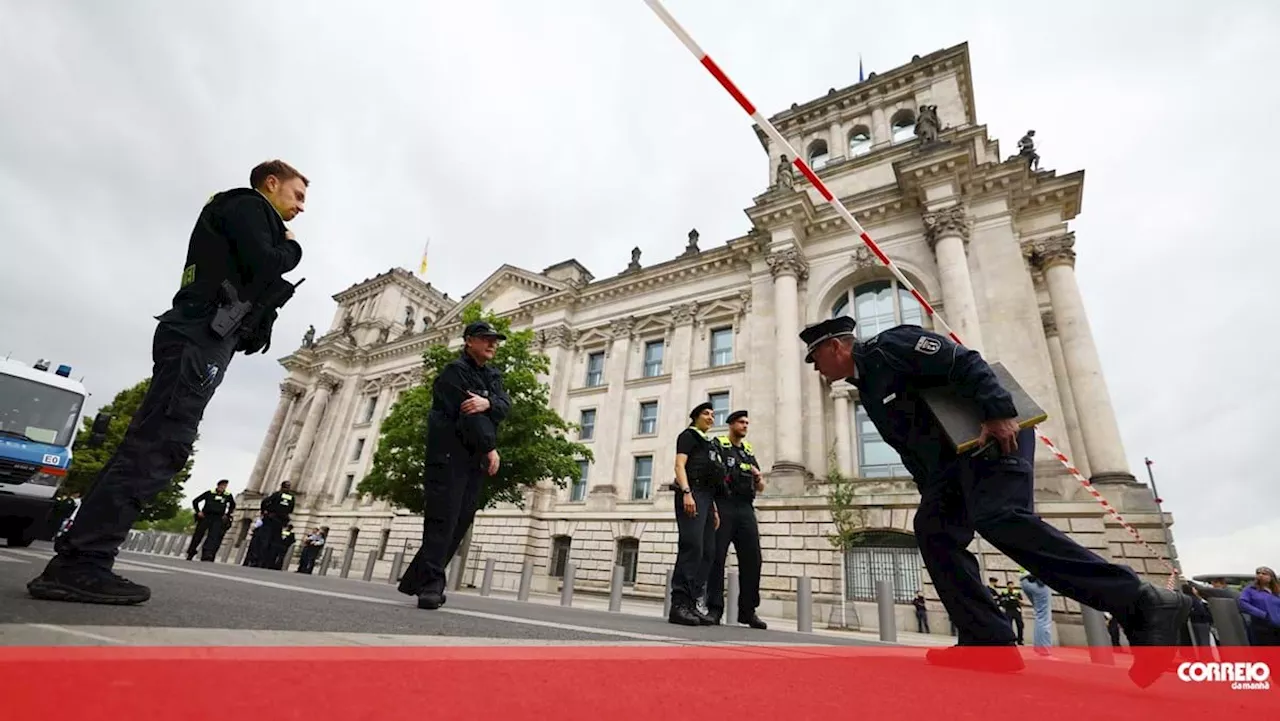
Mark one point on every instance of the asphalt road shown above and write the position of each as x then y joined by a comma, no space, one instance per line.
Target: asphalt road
221,604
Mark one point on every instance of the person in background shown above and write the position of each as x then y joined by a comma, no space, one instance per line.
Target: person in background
1041,603
253,555
280,548
311,548
922,618
1201,623
1011,604
1260,601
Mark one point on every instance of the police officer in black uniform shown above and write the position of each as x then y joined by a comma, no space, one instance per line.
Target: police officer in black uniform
280,547
239,246
211,520
738,525
700,477
468,403
990,495
276,510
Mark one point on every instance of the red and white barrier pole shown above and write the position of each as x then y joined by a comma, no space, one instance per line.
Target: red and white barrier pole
705,60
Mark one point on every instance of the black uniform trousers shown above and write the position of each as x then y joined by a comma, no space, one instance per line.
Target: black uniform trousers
451,491
995,498
209,529
737,526
697,545
189,363
267,540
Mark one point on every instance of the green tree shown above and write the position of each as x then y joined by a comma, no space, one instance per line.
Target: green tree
849,520
532,441
87,462
184,521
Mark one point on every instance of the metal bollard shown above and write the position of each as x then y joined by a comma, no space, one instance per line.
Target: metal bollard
1230,625
397,563
347,557
666,602
884,607
368,565
804,604
615,589
326,559
486,585
731,603
566,589
526,580
1095,633
244,551
149,542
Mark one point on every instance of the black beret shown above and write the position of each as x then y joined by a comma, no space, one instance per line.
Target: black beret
698,409
819,333
736,415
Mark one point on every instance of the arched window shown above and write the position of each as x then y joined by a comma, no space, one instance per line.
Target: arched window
818,154
903,126
878,306
859,141
883,556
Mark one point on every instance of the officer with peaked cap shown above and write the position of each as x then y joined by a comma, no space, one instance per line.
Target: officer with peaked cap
699,481
738,525
961,494
468,402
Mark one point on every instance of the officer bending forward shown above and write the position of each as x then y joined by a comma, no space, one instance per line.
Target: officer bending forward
960,494
699,481
239,244
467,404
738,526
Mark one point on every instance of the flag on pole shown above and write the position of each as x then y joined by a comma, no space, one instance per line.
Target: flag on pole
422,267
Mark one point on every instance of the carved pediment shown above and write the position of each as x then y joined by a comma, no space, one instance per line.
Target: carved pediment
594,337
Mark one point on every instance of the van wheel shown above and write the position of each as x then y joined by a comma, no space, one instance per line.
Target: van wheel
20,539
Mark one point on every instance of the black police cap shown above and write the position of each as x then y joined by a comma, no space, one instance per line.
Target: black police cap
698,409
736,415
481,329
819,333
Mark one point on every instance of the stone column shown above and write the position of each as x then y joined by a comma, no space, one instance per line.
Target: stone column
324,387
620,470
678,405
789,267
1077,452
840,391
289,393
947,232
837,146
1056,259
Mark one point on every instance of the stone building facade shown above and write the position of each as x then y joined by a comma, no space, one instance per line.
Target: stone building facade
985,239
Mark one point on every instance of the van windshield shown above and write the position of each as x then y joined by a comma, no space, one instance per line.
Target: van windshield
36,412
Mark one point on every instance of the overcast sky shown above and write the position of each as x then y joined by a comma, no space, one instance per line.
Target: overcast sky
582,128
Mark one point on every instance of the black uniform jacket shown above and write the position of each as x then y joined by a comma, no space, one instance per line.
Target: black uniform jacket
892,368
450,432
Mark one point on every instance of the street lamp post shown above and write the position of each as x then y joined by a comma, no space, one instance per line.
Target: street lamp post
1168,540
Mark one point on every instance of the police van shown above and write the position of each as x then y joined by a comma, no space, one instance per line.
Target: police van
40,414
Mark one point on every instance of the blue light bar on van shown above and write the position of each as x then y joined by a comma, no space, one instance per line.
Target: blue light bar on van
64,371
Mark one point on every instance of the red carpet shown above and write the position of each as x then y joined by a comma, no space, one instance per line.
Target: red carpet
597,683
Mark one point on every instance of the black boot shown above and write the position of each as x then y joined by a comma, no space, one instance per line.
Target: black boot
751,619
84,583
1153,626
431,599
684,616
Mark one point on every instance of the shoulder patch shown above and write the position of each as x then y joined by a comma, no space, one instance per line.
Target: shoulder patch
747,446
928,346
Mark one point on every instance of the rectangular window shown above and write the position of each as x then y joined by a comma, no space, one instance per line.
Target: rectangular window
629,559
588,423
359,450
720,406
648,418
642,478
578,489
721,346
653,358
559,555
370,405
876,459
348,484
595,369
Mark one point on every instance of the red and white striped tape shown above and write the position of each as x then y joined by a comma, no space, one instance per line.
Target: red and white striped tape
844,213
